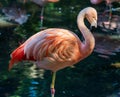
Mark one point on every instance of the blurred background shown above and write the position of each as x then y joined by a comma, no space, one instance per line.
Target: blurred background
96,76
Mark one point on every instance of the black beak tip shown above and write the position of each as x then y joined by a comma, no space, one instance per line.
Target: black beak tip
92,28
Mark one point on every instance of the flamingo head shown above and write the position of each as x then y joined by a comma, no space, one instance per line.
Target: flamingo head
91,15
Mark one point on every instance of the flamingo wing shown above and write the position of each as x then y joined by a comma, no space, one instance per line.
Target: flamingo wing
51,46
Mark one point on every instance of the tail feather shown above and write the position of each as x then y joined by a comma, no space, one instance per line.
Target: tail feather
11,63
16,56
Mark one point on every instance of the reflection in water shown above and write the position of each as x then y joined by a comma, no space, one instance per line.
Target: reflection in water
33,89
35,73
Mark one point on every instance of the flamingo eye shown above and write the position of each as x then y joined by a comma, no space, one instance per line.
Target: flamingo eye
94,18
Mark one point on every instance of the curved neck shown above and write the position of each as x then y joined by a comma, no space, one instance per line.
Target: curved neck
89,41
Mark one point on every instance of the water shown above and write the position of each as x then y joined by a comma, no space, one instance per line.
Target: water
92,77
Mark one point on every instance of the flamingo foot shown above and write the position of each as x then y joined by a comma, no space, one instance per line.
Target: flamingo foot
52,92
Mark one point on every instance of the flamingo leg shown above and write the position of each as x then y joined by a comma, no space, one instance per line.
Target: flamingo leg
53,84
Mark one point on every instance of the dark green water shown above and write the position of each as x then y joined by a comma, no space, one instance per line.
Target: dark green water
92,77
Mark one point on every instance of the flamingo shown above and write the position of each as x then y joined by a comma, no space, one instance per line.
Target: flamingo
56,48
96,1
41,2
107,1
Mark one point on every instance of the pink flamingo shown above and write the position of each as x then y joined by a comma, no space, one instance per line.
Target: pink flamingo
55,48
41,2
107,1
96,1
107,23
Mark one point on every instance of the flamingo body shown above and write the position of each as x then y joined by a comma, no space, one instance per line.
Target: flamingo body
96,1
43,2
53,49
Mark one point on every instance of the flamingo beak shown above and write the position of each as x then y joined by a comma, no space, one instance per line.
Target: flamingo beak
94,23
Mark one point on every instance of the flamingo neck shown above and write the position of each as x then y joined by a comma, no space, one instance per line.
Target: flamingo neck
89,41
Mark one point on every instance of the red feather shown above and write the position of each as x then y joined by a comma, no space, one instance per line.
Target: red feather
17,55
